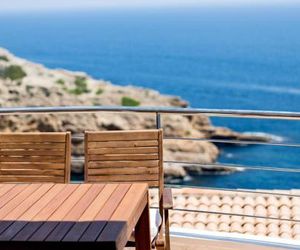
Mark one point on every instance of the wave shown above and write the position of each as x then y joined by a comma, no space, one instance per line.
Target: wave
258,87
273,89
269,137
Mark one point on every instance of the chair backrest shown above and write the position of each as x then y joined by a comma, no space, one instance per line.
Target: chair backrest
35,157
124,156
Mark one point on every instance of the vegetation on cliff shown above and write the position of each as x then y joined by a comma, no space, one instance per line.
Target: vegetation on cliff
24,83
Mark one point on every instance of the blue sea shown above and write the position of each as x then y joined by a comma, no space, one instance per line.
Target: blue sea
232,58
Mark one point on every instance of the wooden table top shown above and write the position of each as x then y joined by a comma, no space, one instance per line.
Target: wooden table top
95,214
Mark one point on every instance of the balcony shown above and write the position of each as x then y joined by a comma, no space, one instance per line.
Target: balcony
214,217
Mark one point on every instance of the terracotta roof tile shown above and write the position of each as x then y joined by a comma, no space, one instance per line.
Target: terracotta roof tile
274,206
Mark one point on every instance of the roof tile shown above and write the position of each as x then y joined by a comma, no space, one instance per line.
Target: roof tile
238,203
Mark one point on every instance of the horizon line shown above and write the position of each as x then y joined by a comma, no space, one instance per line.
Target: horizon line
164,6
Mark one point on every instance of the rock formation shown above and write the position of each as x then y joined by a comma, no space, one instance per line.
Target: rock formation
24,83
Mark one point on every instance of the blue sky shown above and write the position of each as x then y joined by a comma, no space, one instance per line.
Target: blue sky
25,5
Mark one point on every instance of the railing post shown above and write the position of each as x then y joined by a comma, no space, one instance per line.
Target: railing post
158,121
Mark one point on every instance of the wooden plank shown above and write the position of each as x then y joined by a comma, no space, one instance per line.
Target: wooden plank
68,157
89,214
31,178
86,158
123,135
14,214
31,172
127,211
42,233
59,214
161,185
14,191
105,213
5,188
60,146
29,201
11,153
32,137
45,213
142,231
99,202
117,144
43,202
122,178
32,165
125,171
120,150
121,164
49,159
74,214
19,198
123,157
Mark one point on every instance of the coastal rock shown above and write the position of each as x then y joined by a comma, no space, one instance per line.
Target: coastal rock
31,84
221,133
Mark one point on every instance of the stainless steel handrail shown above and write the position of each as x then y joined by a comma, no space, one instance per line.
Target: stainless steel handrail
236,166
238,190
240,142
163,110
231,214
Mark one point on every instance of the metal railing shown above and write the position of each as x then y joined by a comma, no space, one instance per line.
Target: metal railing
160,111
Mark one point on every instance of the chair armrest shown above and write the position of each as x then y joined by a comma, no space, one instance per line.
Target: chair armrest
168,198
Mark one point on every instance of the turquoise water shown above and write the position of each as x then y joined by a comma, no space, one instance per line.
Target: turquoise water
214,58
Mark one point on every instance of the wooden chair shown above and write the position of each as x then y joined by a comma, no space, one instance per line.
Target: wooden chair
130,156
35,157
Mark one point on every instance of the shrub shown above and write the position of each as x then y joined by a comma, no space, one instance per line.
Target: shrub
60,82
96,103
14,72
99,91
127,101
3,58
81,86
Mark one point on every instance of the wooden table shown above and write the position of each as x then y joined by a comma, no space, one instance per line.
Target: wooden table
56,216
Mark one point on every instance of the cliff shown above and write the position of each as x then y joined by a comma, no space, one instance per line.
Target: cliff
24,83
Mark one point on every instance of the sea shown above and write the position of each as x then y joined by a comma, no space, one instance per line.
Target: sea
220,58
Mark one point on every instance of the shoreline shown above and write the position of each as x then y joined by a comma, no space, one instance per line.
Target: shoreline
40,86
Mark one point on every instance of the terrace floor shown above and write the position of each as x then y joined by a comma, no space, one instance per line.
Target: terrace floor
195,244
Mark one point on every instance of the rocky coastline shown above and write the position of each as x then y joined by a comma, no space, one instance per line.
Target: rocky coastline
24,83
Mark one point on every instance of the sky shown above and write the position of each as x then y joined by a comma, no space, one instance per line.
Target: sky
31,5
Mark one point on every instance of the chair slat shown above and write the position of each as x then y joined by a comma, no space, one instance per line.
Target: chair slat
20,145
35,157
128,171
136,150
12,153
32,172
26,158
34,137
34,165
124,164
31,178
123,135
123,156
118,144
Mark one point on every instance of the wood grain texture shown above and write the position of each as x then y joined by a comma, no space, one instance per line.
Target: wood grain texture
123,156
45,212
128,156
123,135
35,157
129,211
58,216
